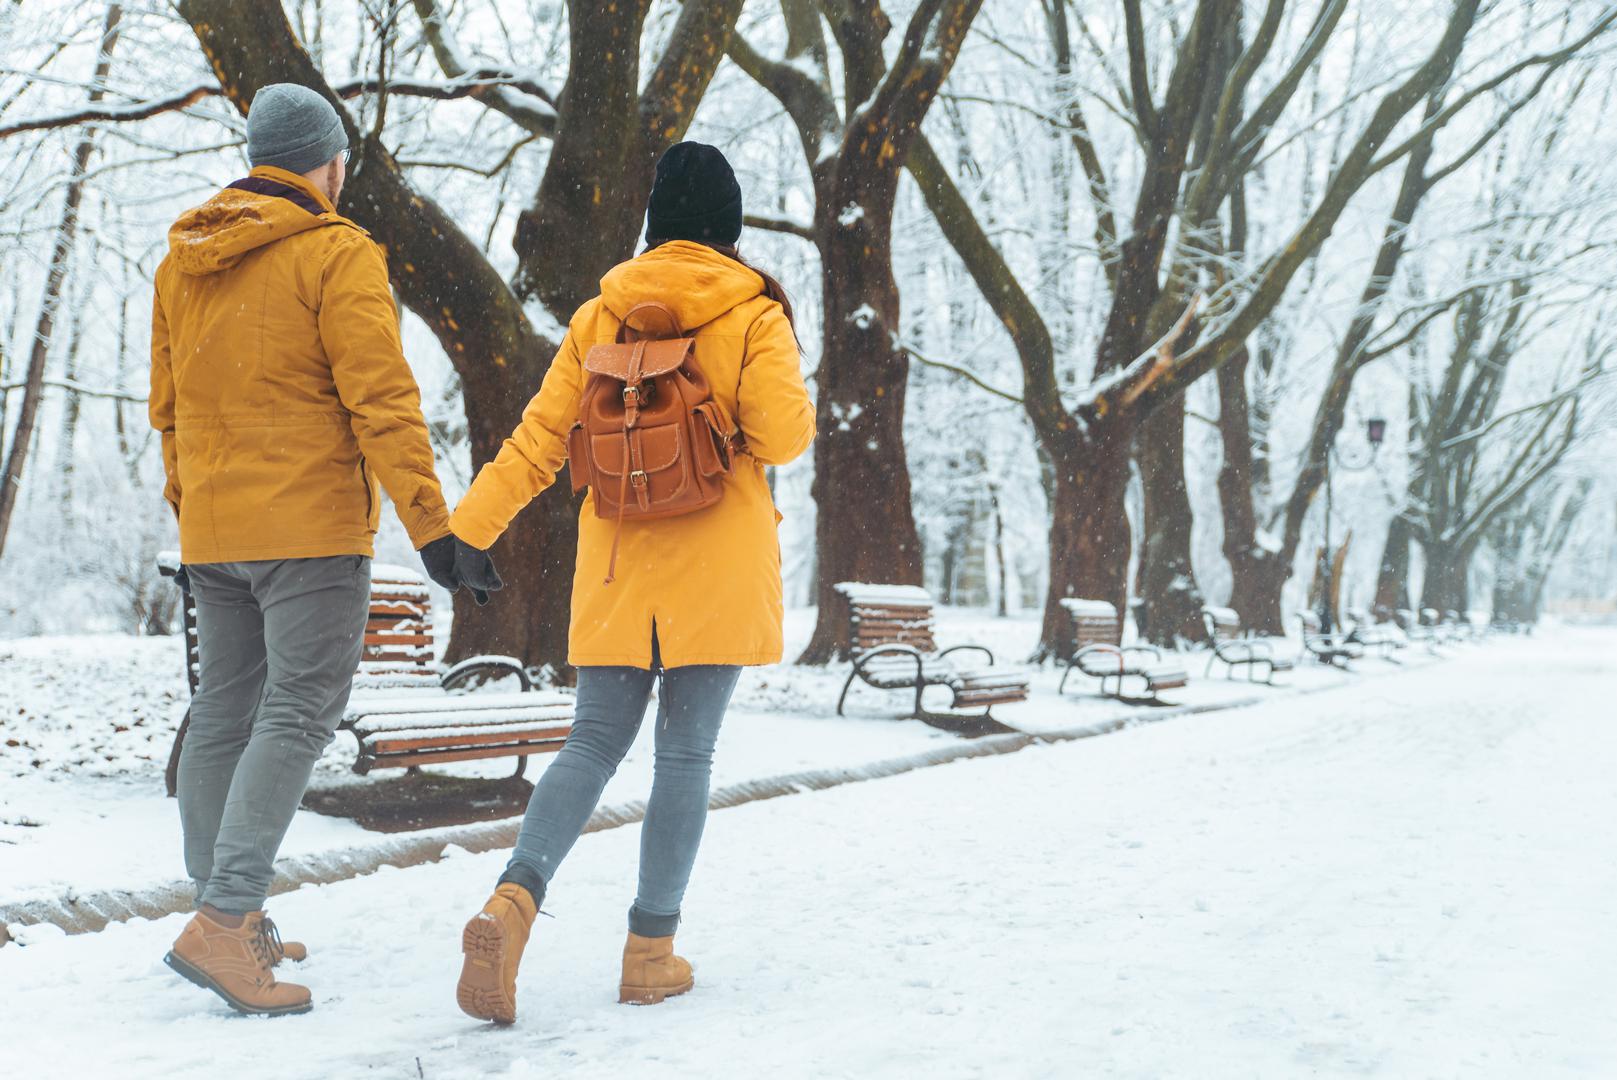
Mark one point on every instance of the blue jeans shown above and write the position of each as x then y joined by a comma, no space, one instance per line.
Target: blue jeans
611,704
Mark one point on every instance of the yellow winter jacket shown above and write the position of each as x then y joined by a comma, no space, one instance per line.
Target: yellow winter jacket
279,384
708,581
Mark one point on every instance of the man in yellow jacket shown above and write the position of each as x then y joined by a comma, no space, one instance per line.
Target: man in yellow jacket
282,395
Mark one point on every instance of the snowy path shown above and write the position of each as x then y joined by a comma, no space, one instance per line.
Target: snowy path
1413,877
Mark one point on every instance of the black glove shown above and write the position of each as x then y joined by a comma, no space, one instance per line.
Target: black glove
183,580
439,559
476,571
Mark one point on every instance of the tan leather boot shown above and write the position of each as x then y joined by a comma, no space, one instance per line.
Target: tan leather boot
279,950
651,971
234,962
493,942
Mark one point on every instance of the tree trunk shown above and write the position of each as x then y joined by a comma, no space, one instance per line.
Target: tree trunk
1257,574
1089,532
864,527
1392,580
999,552
1168,589
1446,585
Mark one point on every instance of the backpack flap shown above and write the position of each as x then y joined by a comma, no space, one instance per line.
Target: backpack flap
656,358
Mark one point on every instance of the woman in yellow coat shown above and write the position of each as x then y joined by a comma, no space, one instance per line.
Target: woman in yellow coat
693,598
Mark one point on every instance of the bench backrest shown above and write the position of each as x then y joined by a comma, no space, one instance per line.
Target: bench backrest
1094,622
888,615
398,632
1223,623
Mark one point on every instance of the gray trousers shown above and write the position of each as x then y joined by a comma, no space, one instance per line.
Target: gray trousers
280,640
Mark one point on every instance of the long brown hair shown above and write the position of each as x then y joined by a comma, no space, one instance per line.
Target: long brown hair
772,286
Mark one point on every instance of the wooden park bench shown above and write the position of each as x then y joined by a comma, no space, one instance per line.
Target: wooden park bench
1416,628
1374,636
890,634
1333,649
404,711
1232,648
1099,652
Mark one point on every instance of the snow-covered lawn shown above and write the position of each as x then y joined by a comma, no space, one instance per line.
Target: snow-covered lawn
1414,875
93,718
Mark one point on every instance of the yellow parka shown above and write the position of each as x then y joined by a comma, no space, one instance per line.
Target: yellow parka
708,581
279,384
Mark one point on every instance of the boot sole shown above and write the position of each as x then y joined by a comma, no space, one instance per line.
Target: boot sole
202,979
651,995
481,992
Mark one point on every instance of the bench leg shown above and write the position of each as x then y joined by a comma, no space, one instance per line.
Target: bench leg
845,688
1063,684
522,766
171,774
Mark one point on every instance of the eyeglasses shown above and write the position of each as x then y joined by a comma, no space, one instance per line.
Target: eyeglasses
347,154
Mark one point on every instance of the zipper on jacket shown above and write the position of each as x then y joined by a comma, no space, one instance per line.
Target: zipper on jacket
370,492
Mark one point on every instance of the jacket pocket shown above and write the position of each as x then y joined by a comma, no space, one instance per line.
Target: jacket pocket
578,470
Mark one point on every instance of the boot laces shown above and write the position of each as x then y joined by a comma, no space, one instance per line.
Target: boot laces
268,941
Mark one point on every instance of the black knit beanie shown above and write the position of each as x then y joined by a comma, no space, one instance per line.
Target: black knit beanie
694,197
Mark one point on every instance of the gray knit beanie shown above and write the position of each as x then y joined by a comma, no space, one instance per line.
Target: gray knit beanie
293,128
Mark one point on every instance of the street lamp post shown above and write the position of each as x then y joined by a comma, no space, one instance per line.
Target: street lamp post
1374,431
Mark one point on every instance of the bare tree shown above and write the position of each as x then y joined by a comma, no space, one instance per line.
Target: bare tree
1471,463
33,389
1526,544
1088,441
865,527
1259,569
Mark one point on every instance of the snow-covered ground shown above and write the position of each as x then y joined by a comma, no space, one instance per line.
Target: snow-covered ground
93,717
1412,875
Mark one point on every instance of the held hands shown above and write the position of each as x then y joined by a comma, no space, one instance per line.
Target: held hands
452,562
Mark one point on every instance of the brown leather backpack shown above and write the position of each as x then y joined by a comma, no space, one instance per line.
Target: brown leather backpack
650,440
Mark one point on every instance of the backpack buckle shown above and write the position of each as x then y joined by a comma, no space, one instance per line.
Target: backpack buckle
637,397
638,478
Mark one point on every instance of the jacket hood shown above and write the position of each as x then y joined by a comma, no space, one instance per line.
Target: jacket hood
698,283
270,204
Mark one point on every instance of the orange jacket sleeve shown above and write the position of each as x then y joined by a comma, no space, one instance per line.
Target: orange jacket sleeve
776,414
160,405
360,334
528,462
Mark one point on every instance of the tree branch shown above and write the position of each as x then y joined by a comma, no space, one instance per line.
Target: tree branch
474,85
957,370
79,388
697,44
774,224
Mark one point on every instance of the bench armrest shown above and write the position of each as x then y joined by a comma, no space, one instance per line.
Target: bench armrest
1244,649
1100,648
976,648
487,666
890,650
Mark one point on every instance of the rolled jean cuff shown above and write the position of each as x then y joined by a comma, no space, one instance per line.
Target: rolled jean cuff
526,875
648,925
